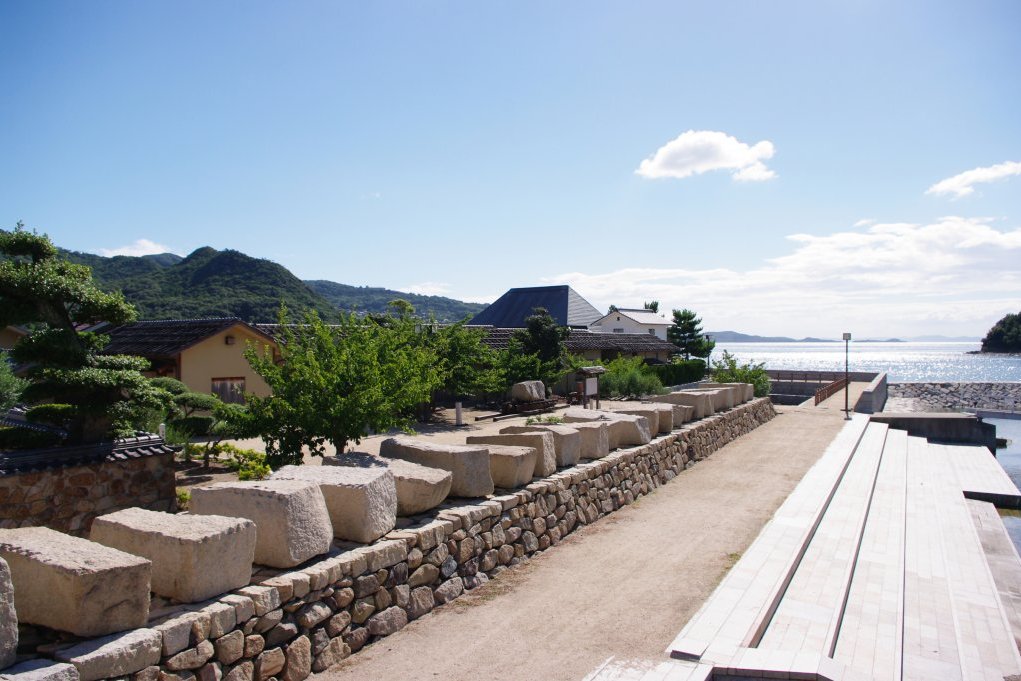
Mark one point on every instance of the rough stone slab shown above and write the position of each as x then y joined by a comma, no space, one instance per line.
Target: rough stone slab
193,557
73,584
40,670
468,465
291,518
625,430
722,398
542,442
743,392
111,656
650,413
701,402
511,466
595,439
566,440
8,618
682,414
362,501
528,391
419,488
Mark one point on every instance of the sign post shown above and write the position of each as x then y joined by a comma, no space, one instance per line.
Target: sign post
847,406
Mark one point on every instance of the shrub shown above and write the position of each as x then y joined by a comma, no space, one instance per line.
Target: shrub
15,437
183,499
727,370
247,463
193,426
56,415
629,377
680,371
548,420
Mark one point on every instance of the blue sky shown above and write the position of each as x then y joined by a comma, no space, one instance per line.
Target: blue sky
465,148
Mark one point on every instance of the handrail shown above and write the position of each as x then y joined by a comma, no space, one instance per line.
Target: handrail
829,390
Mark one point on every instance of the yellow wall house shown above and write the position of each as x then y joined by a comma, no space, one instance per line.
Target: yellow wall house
10,335
207,355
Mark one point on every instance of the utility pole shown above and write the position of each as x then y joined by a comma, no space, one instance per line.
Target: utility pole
847,406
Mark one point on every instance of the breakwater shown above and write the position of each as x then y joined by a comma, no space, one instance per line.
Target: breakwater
962,395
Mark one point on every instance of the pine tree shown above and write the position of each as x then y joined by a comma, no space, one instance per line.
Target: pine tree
686,334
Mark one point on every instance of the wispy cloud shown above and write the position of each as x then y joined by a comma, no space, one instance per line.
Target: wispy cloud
137,248
699,151
429,288
955,274
962,184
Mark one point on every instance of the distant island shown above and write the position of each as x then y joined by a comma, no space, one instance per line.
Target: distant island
735,337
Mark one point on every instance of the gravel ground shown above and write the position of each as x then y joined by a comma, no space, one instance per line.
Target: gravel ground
623,586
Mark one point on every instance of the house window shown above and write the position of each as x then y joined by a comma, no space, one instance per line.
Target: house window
230,390
618,330
652,332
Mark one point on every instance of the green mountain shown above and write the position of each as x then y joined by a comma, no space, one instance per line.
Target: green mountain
370,299
211,283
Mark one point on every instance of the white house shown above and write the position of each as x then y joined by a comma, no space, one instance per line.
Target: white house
632,321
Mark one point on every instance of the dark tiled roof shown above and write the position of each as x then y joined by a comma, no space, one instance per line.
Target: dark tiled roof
563,303
166,338
581,340
28,461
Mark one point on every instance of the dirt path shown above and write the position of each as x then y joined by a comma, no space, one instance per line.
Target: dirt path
623,586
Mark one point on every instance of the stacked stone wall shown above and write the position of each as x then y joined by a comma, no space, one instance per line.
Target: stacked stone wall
69,498
952,396
287,625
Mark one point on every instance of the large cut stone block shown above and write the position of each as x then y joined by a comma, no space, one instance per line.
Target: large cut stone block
362,501
682,414
651,415
113,656
419,487
566,440
625,430
8,618
291,520
722,398
193,557
528,391
468,465
743,392
74,584
512,466
660,416
39,669
702,403
595,438
542,442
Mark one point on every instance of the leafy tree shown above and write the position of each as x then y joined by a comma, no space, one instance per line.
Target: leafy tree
11,386
686,334
537,352
727,370
336,383
652,306
106,394
1005,336
466,365
613,308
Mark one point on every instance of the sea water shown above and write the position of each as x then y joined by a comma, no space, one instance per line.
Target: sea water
1010,459
903,362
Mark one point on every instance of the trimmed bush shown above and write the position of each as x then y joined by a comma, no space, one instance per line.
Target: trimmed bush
193,425
680,371
51,414
629,377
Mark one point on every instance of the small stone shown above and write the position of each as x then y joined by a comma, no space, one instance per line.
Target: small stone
387,622
475,580
420,602
254,645
209,672
269,663
531,543
312,614
148,674
269,620
401,595
362,611
242,672
383,600
448,591
281,633
426,574
365,585
449,567
334,653
415,558
343,597
193,658
338,623
299,660
230,648
356,638
320,639
490,559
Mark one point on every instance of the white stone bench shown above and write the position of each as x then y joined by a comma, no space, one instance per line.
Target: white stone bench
73,584
595,439
419,488
542,442
625,430
193,557
566,440
362,502
468,465
291,519
512,466
701,402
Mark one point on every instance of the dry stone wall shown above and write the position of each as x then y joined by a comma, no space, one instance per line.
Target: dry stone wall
288,624
952,396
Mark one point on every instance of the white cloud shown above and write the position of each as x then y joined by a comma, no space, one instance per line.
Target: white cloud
429,288
954,276
961,184
140,247
699,151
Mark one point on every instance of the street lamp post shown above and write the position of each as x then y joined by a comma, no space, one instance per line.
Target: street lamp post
847,405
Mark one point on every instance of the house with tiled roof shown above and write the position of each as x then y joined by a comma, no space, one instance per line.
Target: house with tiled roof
510,310
630,320
597,346
207,355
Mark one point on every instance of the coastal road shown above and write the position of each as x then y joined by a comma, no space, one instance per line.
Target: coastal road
623,586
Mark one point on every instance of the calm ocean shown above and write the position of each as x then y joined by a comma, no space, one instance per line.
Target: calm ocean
909,361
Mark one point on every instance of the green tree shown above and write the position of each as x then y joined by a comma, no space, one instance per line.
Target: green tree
686,334
467,366
336,383
651,306
1005,336
727,370
11,386
104,395
537,352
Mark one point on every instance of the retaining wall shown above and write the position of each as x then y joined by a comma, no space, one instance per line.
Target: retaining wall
288,624
994,396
